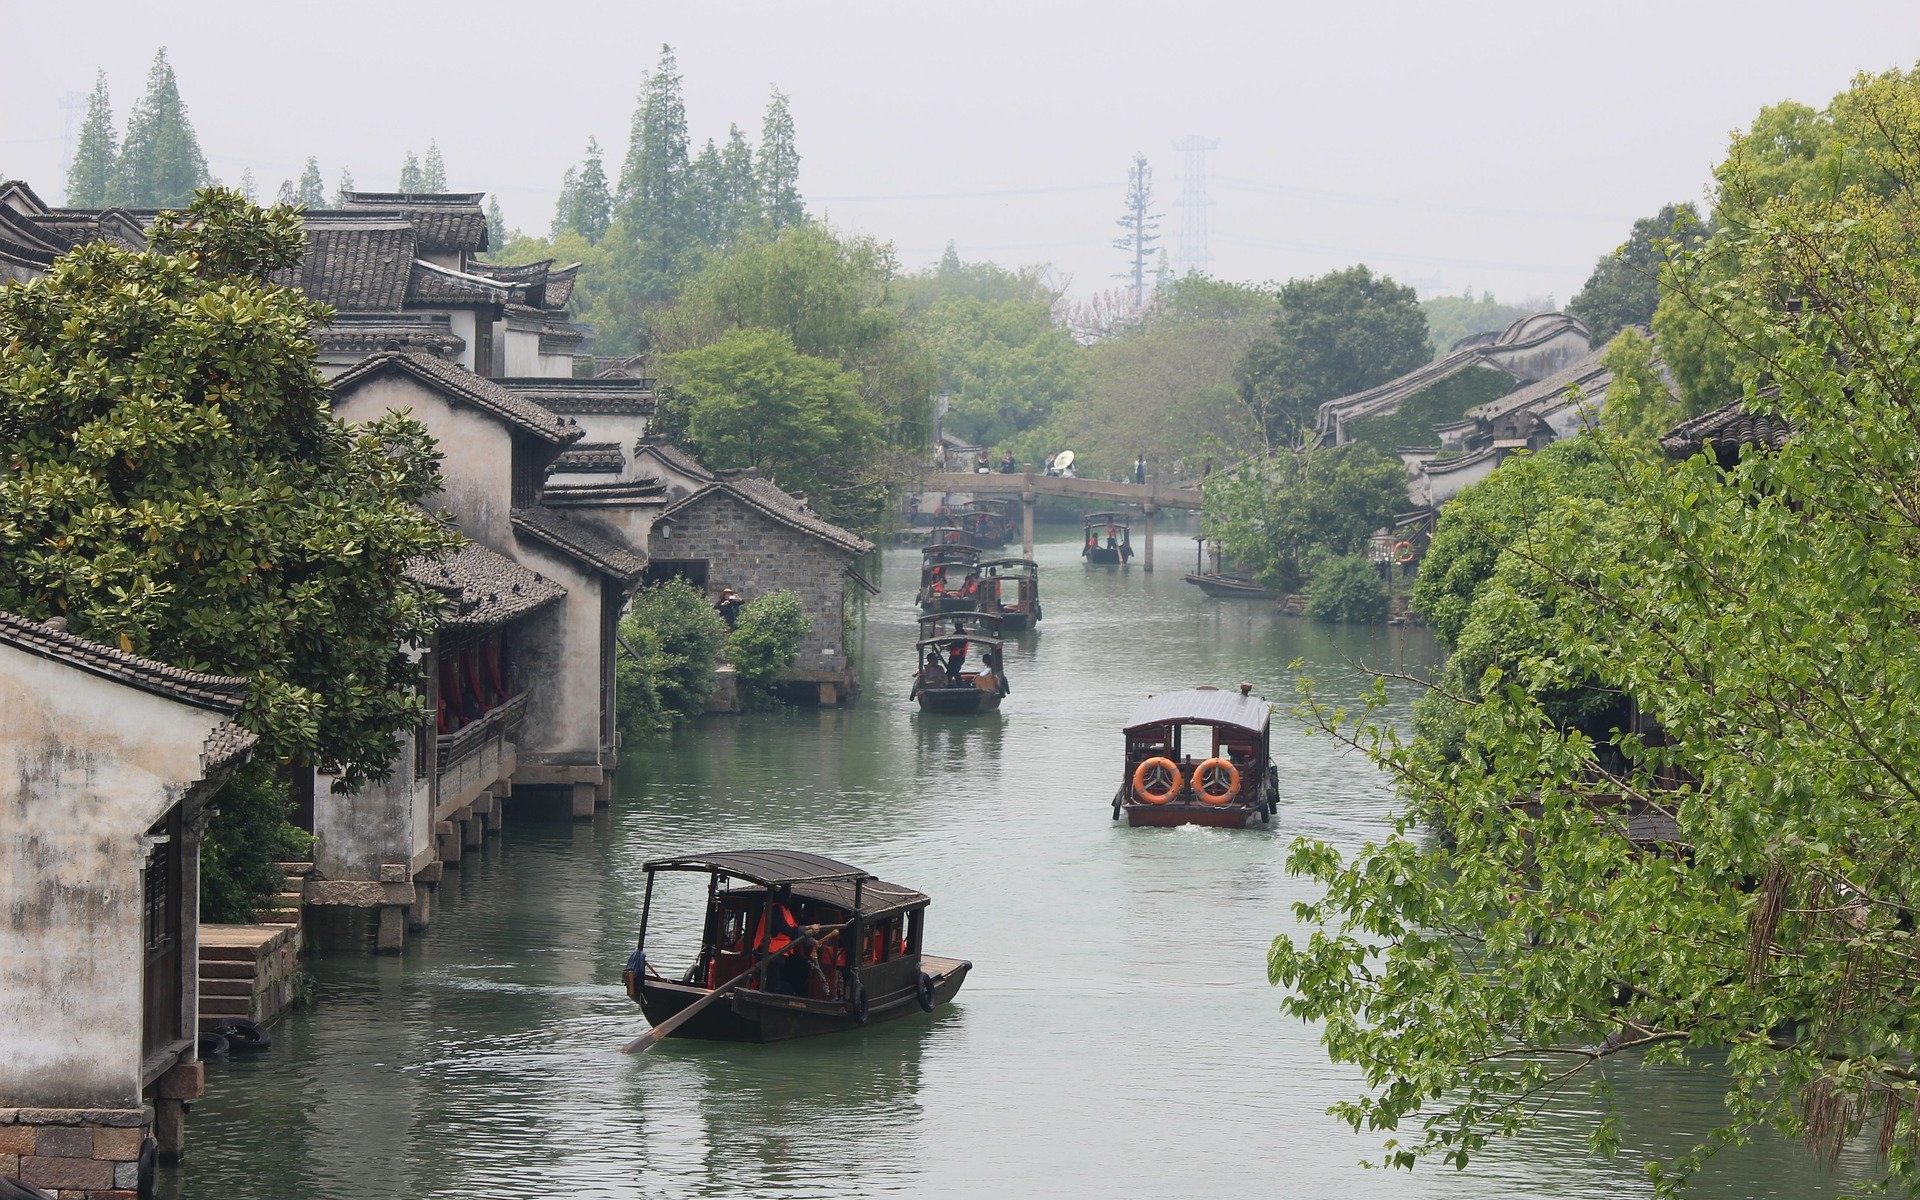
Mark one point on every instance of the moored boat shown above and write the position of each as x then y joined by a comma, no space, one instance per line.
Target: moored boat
1231,587
1108,541
1010,587
1162,781
829,946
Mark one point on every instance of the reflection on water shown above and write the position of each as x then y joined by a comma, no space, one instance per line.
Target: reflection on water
1117,1036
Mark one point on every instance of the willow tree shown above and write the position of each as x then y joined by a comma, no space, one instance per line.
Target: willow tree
1764,618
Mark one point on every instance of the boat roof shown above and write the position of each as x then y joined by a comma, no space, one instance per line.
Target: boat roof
951,549
1118,518
1011,562
977,639
771,868
877,897
986,622
1202,706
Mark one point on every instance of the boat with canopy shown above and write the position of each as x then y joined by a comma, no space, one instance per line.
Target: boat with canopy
1199,757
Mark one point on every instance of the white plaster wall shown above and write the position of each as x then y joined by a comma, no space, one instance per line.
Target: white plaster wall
387,821
477,452
464,324
560,662
523,351
1442,488
1543,360
555,366
86,766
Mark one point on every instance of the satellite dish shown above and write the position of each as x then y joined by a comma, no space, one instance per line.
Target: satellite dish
1063,460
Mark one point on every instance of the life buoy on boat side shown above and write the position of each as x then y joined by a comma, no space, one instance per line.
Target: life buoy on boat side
1217,781
924,992
1157,780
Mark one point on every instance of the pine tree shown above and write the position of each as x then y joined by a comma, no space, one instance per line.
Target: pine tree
344,192
433,172
93,180
160,161
592,201
247,187
1140,229
777,173
410,174
496,224
289,193
1162,273
707,196
563,207
743,194
311,191
653,179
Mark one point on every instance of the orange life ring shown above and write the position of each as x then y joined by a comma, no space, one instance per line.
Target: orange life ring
1169,776
1207,776
1403,552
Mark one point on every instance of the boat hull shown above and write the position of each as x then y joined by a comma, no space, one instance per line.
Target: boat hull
938,605
1100,556
961,700
1166,816
1227,588
1014,619
751,1016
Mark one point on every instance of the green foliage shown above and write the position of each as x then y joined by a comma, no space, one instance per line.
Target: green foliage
1480,523
1450,318
988,282
433,170
777,170
1005,365
765,642
1347,588
1272,512
176,484
93,179
496,223
653,197
1640,406
1625,285
670,640
411,179
311,191
1761,617
160,163
752,400
250,835
1442,403
1165,387
344,189
586,205
1343,332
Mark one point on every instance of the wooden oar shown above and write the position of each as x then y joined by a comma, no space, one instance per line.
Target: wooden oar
654,1036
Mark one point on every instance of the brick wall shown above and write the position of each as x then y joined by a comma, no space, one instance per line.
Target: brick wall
82,1154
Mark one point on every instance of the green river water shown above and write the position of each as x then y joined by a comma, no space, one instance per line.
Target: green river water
1117,1036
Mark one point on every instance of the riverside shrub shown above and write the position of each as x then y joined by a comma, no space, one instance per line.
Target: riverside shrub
1347,588
670,641
766,641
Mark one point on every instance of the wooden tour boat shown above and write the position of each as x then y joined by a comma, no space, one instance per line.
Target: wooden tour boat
1108,541
1163,782
988,522
1011,588
941,682
829,947
949,579
1232,587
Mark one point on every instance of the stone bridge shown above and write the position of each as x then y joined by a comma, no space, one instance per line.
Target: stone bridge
1149,497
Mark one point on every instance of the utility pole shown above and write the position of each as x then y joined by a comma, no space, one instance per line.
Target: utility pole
1140,229
1193,252
72,106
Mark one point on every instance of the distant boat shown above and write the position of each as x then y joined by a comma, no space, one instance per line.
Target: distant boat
950,641
1231,587
1011,588
1108,541
945,569
860,960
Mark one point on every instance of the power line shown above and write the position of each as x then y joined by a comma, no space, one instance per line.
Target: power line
1032,191
1421,203
1194,254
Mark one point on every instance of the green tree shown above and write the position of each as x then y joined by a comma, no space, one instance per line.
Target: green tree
953,279
433,171
311,191
652,197
670,640
707,195
753,400
411,178
742,190
1640,404
343,192
1272,512
1480,523
1624,288
160,161
1340,333
1451,318
563,207
249,839
496,223
177,485
93,179
1761,618
777,167
765,642
589,205
1347,588
1005,365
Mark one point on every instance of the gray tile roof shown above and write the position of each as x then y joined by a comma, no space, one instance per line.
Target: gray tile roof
483,589
765,497
370,333
601,549
1731,428
1586,373
229,742
445,223
220,693
354,263
574,397
670,456
453,380
590,458
430,284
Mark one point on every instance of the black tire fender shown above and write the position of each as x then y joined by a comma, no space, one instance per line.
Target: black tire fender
924,992
211,1044
244,1036
145,1175
859,1005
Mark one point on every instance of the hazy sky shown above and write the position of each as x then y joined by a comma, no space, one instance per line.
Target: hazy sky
1501,146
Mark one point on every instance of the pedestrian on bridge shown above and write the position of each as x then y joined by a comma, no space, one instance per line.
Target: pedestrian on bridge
1140,468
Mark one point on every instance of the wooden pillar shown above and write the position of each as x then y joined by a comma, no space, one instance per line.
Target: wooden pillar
1026,517
1146,558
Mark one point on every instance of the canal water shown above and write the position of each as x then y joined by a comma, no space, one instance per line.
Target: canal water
1117,1036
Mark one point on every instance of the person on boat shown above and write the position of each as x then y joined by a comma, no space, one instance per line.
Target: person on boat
956,659
990,680
933,674
971,588
774,934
